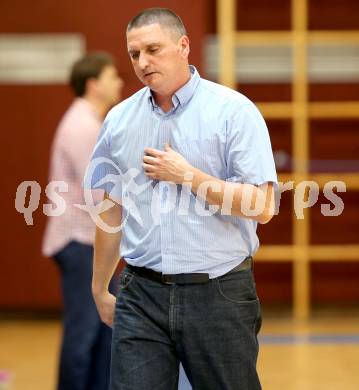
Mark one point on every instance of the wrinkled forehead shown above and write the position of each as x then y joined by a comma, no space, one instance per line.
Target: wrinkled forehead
147,35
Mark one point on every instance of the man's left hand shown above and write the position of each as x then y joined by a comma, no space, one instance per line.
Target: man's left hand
166,165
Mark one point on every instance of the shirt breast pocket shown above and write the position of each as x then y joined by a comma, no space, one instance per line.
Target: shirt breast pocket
206,154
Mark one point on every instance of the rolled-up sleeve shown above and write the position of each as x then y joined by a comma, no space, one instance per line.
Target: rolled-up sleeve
248,149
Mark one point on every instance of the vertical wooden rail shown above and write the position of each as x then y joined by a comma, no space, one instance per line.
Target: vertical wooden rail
226,26
300,110
300,145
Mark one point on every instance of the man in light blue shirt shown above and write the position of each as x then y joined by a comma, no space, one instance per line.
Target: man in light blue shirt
189,166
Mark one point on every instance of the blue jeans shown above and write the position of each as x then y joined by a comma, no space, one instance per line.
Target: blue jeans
210,328
86,343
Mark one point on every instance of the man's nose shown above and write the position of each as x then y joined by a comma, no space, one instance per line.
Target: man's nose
142,61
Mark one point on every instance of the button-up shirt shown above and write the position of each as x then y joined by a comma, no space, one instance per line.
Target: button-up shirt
71,151
166,227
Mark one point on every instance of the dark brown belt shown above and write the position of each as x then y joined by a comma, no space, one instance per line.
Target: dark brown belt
193,278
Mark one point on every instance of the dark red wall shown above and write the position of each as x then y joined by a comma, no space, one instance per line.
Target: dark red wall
29,116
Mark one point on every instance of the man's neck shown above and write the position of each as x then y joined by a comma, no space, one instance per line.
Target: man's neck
165,100
98,106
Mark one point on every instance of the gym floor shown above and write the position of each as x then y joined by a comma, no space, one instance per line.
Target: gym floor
319,354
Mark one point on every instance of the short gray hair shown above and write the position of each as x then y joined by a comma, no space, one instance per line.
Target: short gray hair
162,16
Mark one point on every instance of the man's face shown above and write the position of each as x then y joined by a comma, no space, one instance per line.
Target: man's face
109,85
158,58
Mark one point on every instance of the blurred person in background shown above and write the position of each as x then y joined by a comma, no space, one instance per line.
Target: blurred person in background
86,344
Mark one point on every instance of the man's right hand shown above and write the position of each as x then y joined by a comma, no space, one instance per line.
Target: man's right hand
106,258
105,303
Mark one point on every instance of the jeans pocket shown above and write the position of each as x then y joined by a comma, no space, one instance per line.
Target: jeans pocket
125,280
258,323
239,289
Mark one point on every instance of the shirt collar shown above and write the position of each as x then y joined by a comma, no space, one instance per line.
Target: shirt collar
184,94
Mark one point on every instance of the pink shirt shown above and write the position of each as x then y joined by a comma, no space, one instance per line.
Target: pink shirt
72,148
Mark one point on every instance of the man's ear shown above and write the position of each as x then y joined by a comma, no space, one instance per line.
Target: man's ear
185,46
91,85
